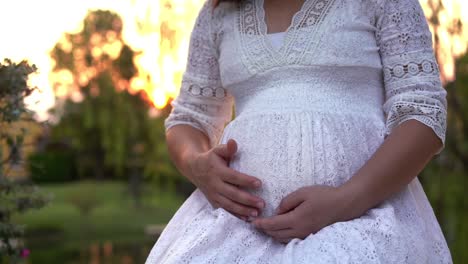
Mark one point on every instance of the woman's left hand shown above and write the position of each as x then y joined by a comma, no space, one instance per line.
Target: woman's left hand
304,212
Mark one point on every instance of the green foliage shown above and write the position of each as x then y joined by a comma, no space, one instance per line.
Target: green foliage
110,130
14,196
61,227
454,178
84,200
446,179
113,210
52,166
13,89
112,133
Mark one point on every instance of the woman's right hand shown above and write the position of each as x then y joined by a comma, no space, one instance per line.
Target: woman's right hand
222,186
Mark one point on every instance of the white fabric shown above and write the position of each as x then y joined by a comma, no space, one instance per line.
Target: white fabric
311,112
276,39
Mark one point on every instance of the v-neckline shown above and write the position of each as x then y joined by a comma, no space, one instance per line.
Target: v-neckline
261,20
258,52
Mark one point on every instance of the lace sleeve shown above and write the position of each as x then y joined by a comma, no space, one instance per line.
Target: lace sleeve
411,76
202,102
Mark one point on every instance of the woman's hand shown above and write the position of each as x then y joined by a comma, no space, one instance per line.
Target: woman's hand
304,212
222,185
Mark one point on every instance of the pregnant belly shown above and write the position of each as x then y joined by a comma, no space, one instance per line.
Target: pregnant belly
299,148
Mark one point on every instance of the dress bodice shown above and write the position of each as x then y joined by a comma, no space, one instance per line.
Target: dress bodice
276,39
322,33
369,57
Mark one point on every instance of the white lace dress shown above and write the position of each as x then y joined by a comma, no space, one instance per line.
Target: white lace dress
311,111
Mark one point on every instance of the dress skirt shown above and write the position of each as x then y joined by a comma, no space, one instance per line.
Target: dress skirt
287,150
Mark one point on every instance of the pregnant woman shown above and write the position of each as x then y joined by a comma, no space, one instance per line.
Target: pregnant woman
338,108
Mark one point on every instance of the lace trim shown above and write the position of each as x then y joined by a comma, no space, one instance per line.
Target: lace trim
300,42
255,52
402,71
431,115
258,54
199,120
206,91
180,119
248,22
315,13
207,128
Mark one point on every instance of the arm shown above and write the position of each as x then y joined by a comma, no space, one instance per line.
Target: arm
198,114
196,122
184,142
401,157
415,108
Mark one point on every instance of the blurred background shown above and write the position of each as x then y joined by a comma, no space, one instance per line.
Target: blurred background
85,176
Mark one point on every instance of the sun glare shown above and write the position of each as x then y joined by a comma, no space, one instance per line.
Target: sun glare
159,31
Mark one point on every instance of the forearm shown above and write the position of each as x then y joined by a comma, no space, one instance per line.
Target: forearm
400,158
183,142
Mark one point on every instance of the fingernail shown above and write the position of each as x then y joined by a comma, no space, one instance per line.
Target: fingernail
260,204
253,213
257,183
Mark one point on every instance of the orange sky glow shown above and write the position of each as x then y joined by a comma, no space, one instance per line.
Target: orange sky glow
30,33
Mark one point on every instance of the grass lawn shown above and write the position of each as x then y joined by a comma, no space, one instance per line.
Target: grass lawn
84,212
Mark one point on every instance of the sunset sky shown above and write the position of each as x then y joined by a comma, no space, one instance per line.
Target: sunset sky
30,29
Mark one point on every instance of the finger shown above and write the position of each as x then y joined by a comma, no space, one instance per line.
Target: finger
242,217
226,151
291,201
238,178
284,240
216,205
281,234
221,150
239,196
236,208
276,222
231,146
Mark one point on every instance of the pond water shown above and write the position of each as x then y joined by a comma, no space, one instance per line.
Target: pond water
128,252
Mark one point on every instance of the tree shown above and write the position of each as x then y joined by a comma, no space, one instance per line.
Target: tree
109,127
15,197
445,179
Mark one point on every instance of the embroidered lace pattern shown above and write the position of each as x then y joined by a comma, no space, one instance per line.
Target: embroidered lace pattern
252,32
202,102
254,47
411,73
312,112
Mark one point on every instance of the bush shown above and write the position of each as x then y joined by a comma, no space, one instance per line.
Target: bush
15,197
52,166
